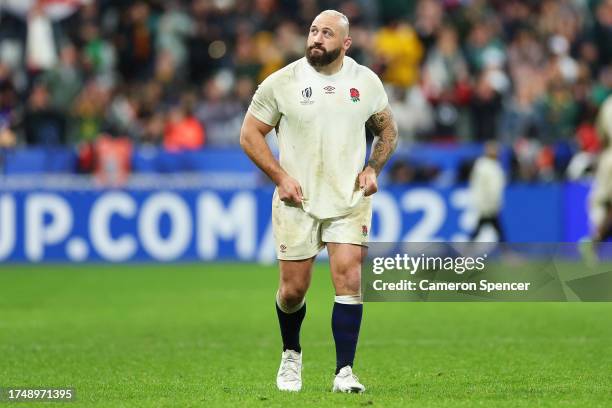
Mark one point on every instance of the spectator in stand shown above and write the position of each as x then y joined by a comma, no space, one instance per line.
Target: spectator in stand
183,131
175,26
485,107
135,41
98,55
65,81
88,112
43,125
153,132
519,113
8,108
445,81
8,98
41,48
602,31
399,52
428,21
481,45
559,111
220,115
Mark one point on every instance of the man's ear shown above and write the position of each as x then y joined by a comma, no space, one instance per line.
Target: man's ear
347,43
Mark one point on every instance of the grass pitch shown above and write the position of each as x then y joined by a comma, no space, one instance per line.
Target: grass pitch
206,335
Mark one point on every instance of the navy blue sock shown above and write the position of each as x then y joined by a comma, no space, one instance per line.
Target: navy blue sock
346,320
290,324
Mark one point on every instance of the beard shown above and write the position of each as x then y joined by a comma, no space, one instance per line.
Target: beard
323,58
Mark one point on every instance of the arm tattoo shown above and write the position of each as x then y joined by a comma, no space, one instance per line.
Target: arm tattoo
384,129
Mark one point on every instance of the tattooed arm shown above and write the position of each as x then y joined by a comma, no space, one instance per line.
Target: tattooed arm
384,129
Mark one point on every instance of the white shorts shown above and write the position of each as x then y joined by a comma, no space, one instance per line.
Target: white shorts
298,235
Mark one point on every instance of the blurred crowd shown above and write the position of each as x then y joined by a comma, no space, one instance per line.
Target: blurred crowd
530,74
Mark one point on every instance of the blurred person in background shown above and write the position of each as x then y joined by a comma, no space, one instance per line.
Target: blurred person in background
220,113
8,108
65,80
89,112
428,20
485,108
445,82
153,131
415,116
600,197
602,31
487,183
41,48
135,41
399,52
43,125
183,131
175,27
482,43
98,55
112,159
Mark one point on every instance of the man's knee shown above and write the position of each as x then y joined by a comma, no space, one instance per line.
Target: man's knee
348,280
291,294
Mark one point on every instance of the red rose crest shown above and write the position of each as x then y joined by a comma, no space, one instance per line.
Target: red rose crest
354,94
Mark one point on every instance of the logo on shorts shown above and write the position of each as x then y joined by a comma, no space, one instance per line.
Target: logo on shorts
329,89
307,94
283,248
364,230
354,95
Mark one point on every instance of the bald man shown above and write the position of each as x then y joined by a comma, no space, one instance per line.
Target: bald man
319,106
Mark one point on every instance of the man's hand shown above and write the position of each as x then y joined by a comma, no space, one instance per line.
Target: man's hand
290,191
367,181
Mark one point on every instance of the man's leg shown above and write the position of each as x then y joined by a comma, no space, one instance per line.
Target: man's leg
496,223
476,231
345,263
297,239
295,279
291,309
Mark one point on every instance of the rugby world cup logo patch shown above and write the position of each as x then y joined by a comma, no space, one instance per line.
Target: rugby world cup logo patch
307,94
354,95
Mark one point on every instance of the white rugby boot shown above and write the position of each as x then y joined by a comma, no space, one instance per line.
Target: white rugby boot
346,381
289,377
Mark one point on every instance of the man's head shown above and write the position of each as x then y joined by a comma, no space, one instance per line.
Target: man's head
491,149
328,38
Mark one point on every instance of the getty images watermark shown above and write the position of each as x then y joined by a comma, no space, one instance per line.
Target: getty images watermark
458,265
486,272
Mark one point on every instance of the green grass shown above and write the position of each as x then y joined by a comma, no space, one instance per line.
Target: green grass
206,335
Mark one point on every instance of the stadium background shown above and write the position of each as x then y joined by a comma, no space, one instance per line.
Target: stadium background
120,120
119,126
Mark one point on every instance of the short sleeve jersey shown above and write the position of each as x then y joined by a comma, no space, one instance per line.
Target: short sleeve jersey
320,124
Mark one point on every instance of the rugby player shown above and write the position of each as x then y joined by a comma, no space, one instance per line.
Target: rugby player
319,106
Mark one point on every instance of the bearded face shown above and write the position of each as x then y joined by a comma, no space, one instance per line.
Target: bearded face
318,56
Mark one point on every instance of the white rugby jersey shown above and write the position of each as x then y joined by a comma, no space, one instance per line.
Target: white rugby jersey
320,124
